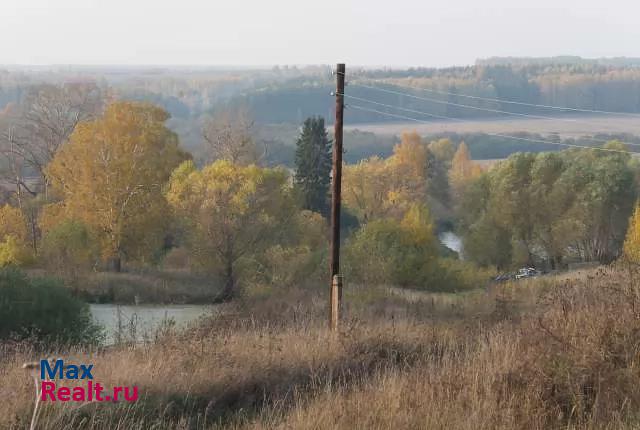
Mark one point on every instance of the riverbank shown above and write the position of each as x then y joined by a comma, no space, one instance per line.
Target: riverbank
141,287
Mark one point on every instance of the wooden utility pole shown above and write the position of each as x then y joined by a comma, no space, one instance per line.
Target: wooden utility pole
336,186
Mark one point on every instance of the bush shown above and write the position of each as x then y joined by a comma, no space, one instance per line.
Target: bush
292,266
405,253
397,252
177,259
13,253
43,309
297,258
68,248
14,236
456,275
632,241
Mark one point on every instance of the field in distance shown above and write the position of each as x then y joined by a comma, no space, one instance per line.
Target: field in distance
565,126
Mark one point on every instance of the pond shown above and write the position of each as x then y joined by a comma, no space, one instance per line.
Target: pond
143,322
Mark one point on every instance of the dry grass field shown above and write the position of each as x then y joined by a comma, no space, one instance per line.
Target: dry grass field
541,354
567,126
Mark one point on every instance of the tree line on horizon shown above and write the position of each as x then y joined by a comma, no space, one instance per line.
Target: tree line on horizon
276,95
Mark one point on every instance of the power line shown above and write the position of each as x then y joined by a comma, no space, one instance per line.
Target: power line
491,134
513,102
593,139
432,100
448,117
503,112
400,108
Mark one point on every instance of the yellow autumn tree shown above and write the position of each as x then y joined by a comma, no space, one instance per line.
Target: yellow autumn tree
462,171
418,225
410,156
365,188
51,215
377,188
110,177
232,214
443,150
14,236
632,241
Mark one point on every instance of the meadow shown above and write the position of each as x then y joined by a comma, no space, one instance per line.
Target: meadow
569,126
538,354
122,214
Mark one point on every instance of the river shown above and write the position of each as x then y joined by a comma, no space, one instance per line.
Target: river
451,241
143,322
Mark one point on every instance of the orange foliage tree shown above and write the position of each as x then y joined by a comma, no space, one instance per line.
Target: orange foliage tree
111,175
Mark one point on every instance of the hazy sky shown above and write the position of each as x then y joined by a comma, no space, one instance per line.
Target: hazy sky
262,32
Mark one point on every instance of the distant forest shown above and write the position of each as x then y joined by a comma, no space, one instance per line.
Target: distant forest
592,85
286,95
290,94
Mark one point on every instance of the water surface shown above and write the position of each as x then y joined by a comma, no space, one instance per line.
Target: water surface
143,322
452,241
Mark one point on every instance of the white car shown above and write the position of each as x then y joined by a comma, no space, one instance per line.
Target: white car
526,272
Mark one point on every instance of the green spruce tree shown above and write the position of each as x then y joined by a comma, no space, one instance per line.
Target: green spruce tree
313,166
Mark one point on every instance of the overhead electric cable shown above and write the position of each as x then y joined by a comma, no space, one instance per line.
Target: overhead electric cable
514,102
492,134
593,139
432,100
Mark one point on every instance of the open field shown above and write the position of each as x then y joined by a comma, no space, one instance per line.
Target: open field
569,126
538,354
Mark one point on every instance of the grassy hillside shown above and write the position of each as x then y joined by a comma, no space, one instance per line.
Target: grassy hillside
540,354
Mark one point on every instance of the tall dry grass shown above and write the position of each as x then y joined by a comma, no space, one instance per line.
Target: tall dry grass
534,355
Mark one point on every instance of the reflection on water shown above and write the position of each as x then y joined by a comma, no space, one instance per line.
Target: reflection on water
142,322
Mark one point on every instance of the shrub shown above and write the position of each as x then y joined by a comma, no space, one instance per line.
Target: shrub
12,252
632,241
291,266
68,248
177,259
405,253
388,251
299,257
13,236
43,309
456,275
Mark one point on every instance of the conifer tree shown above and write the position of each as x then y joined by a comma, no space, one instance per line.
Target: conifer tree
313,165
